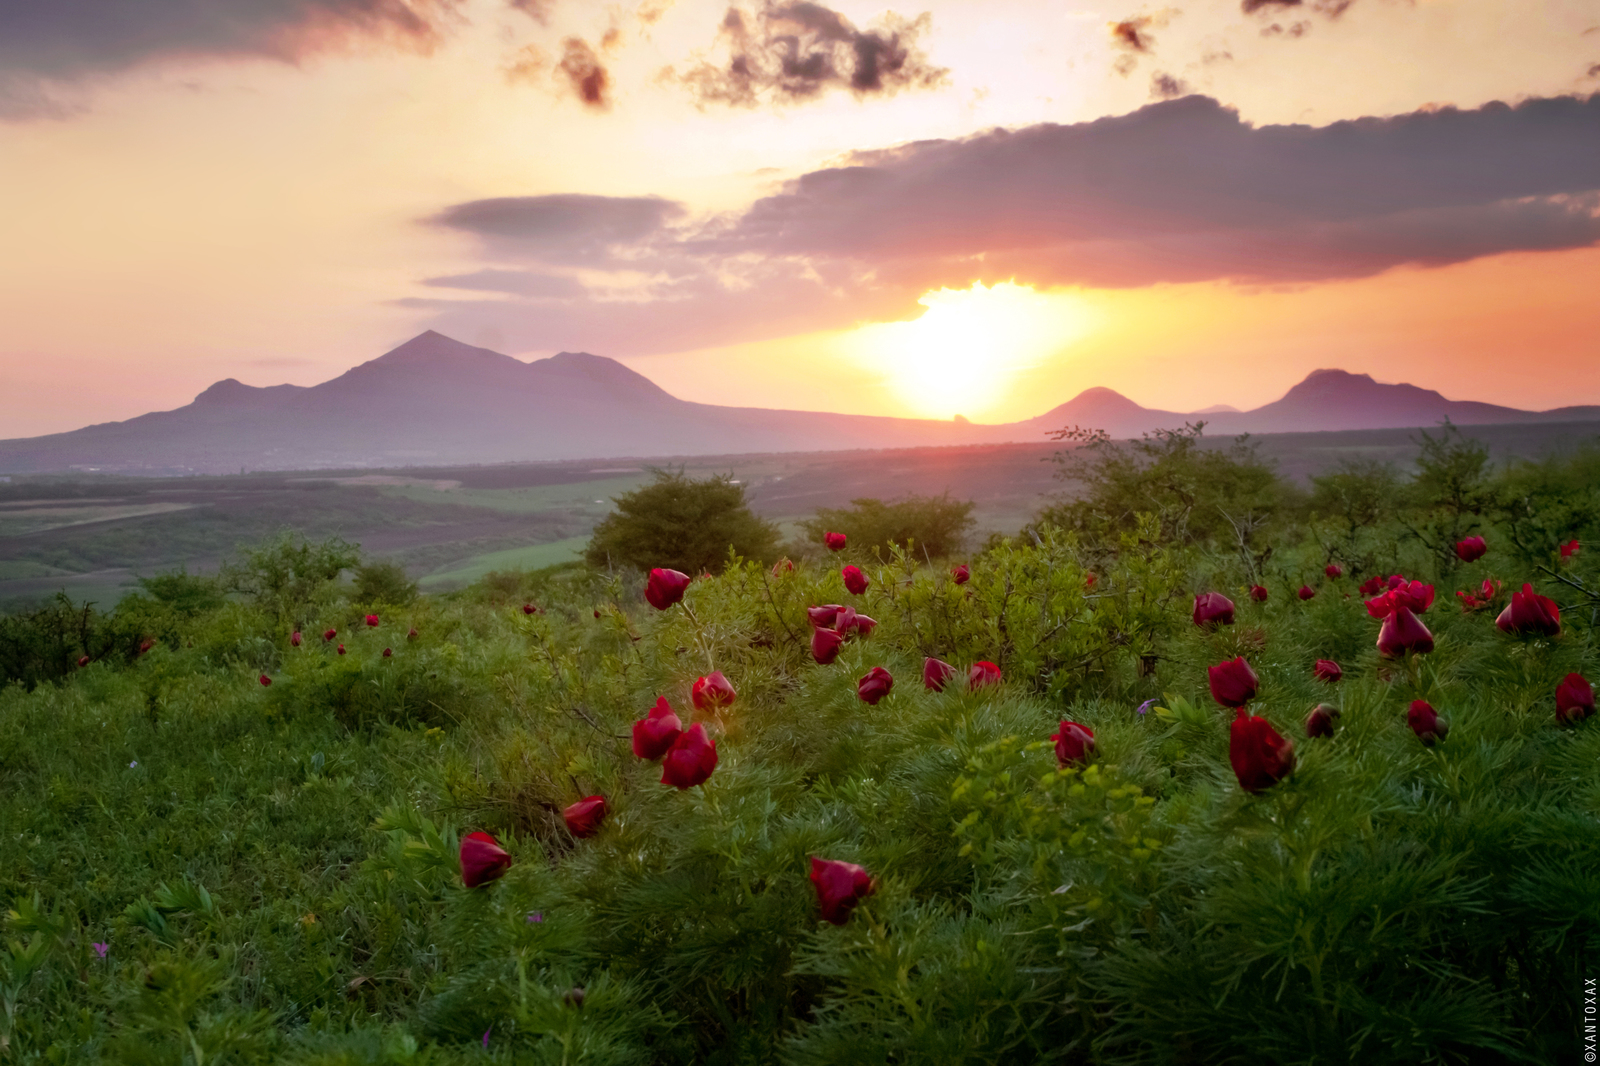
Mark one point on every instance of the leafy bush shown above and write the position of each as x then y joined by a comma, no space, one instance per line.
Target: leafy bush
382,582
289,578
681,523
937,526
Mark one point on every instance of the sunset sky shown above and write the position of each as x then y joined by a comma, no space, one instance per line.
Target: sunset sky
950,207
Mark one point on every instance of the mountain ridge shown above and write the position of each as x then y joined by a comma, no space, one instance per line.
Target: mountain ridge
436,400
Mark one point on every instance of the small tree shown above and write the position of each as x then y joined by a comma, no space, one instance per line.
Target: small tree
936,525
1356,498
384,581
287,577
681,523
1452,489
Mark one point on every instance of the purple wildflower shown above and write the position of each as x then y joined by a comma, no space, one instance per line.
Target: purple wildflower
536,916
101,949
1144,707
486,1033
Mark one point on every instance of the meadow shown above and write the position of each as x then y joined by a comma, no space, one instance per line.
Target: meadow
241,830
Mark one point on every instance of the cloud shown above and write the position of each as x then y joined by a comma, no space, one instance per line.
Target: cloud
1166,87
1331,9
581,69
565,228
50,48
795,51
1133,38
1178,191
523,283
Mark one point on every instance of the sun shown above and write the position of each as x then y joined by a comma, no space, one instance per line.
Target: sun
965,354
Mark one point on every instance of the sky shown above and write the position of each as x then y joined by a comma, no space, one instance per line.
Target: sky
956,207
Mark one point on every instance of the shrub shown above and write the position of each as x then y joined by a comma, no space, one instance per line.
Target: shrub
681,523
931,526
382,582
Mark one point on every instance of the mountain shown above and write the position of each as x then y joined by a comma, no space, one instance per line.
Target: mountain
435,401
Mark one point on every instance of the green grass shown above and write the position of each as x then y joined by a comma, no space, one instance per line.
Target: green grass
532,557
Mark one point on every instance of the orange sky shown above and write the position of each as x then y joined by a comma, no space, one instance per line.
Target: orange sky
212,210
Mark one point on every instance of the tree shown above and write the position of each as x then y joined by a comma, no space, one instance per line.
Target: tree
681,523
936,525
287,577
384,581
1356,498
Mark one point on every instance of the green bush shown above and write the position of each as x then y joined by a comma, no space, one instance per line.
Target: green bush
936,526
681,523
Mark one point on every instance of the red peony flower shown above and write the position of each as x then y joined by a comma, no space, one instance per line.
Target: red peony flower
1074,743
1327,670
690,760
83,661
372,620
825,645
294,639
854,580
840,886
654,733
783,566
875,686
936,674
960,574
1233,683
1306,592
1333,570
482,859
822,617
1412,595
1403,632
1569,549
1528,613
665,587
329,635
1371,585
265,680
1471,550
528,608
1090,579
584,817
982,674
1477,601
341,649
1213,608
834,541
710,693
1321,720
411,634
149,642
1258,593
388,652
1426,723
1574,699
1261,756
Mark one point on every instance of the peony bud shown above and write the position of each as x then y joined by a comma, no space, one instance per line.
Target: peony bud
341,649
665,587
1090,579
936,674
854,580
265,681
1426,723
388,652
960,574
983,674
710,693
372,620
834,541
783,566
1327,670
654,733
1306,592
1333,570
1528,613
294,639
1213,608
840,886
528,608
584,817
1574,699
83,661
1471,550
1321,720
1258,593
875,686
690,760
482,859
329,635
1074,743
1403,632
411,634
1261,756
1233,683
825,645
1569,549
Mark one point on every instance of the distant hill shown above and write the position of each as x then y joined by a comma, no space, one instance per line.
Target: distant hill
435,401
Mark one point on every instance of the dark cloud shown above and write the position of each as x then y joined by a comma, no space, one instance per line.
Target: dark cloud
511,282
1331,9
582,71
1166,87
49,47
1294,29
790,52
569,228
1593,72
1134,37
1179,191
538,10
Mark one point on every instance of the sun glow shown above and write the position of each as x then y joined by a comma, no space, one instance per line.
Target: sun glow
970,349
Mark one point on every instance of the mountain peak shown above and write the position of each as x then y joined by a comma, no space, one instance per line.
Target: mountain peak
431,349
